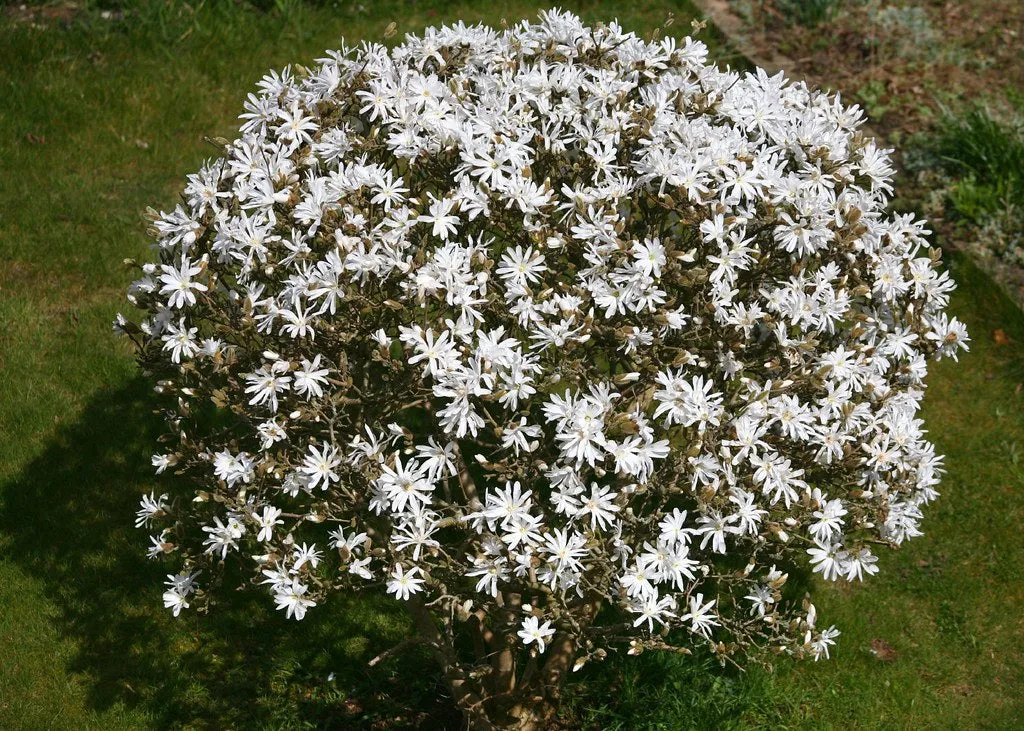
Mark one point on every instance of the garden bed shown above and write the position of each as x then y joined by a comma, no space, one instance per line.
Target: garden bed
941,82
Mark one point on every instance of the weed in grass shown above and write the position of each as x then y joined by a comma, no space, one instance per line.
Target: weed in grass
875,98
953,621
907,29
660,691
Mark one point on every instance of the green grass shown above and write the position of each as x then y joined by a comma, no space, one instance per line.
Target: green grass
987,155
103,118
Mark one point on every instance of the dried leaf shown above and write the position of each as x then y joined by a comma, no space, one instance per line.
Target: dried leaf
883,650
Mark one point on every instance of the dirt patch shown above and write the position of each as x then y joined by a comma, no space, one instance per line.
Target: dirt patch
883,650
900,60
53,14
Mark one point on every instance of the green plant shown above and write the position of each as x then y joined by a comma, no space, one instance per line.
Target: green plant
874,96
988,155
808,13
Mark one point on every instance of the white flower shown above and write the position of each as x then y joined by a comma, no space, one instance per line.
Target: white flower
271,432
523,530
521,436
311,379
181,586
292,598
162,462
360,568
266,383
489,572
700,615
565,549
860,563
508,504
599,506
222,536
548,309
533,631
829,520
521,266
306,554
653,609
404,584
405,485
444,222
829,559
819,647
178,284
640,579
267,521
180,340
319,465
150,506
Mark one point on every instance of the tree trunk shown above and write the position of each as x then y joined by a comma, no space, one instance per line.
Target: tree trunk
533,700
540,694
536,715
466,697
504,698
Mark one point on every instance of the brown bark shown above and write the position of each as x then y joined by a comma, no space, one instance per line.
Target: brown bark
501,700
540,692
466,697
536,697
503,659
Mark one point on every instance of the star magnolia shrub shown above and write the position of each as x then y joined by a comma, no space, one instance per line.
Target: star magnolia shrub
565,339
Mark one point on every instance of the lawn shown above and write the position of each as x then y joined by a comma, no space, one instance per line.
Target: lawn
103,116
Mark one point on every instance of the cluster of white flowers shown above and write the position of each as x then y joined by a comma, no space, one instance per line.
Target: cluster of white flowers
553,313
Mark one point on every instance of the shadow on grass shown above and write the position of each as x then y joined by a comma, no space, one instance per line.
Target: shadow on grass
70,521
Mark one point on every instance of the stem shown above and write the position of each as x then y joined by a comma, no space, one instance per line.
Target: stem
466,481
396,649
466,697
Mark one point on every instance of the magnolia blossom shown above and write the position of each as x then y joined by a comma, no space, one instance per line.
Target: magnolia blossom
548,317
533,631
